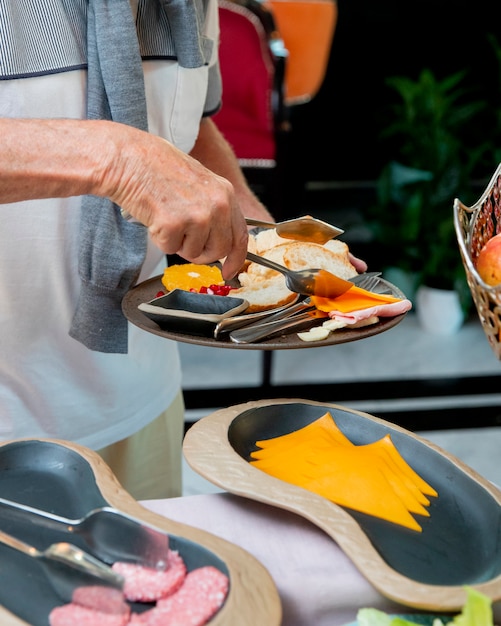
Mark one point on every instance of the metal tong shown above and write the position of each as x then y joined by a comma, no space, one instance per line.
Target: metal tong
274,321
292,317
228,324
109,534
307,282
301,229
257,332
67,567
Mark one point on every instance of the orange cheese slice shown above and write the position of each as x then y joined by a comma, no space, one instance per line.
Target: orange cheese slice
371,478
355,299
369,455
386,444
366,490
325,424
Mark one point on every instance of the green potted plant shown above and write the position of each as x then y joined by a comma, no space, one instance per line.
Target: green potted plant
412,220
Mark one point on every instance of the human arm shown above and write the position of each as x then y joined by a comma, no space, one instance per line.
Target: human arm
214,151
188,209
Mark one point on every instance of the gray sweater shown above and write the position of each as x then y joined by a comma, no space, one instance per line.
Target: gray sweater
113,250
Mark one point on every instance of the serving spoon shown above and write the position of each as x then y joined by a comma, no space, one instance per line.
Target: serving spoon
308,282
109,534
68,568
301,229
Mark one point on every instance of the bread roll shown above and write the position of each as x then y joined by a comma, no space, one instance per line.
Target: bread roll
265,288
257,272
265,294
299,256
267,239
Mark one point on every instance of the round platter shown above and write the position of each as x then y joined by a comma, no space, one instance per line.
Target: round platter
147,290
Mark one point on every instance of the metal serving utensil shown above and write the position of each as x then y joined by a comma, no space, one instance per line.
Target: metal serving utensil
251,334
292,318
232,323
367,281
67,567
308,282
109,534
301,229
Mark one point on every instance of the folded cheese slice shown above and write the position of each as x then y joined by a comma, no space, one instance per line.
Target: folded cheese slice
357,304
372,478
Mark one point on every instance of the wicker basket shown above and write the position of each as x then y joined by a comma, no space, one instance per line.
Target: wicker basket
474,226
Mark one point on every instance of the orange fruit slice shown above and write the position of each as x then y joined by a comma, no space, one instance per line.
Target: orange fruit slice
190,276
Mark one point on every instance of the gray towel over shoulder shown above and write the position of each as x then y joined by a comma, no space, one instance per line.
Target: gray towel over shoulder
112,250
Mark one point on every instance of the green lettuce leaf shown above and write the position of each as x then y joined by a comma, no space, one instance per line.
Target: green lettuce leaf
477,611
374,617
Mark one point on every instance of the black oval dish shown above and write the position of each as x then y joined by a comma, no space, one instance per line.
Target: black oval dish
188,311
460,543
461,540
54,478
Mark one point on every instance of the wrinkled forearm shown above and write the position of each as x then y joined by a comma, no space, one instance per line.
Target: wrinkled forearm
55,158
215,153
188,209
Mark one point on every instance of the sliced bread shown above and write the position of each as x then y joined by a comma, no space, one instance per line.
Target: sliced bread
302,255
265,294
257,272
267,239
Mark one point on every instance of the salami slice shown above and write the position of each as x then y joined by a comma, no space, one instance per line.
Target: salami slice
182,599
146,584
196,601
72,614
104,599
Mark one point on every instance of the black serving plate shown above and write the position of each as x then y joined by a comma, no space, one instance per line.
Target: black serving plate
57,478
187,311
460,542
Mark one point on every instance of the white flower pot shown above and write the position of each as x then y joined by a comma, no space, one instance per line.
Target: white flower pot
407,282
439,310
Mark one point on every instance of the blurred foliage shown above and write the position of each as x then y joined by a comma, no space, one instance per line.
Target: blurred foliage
437,156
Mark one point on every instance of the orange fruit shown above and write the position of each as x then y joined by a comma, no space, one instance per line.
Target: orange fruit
188,276
489,261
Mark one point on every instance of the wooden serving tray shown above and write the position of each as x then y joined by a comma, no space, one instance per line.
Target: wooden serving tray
460,541
70,480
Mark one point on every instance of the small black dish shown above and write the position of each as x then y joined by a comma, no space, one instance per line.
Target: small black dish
191,312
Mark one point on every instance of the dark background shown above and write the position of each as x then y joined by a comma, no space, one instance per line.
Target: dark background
336,136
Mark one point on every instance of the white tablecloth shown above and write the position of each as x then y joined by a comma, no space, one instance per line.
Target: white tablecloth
317,583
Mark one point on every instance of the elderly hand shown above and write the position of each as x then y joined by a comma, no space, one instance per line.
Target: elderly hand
188,210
